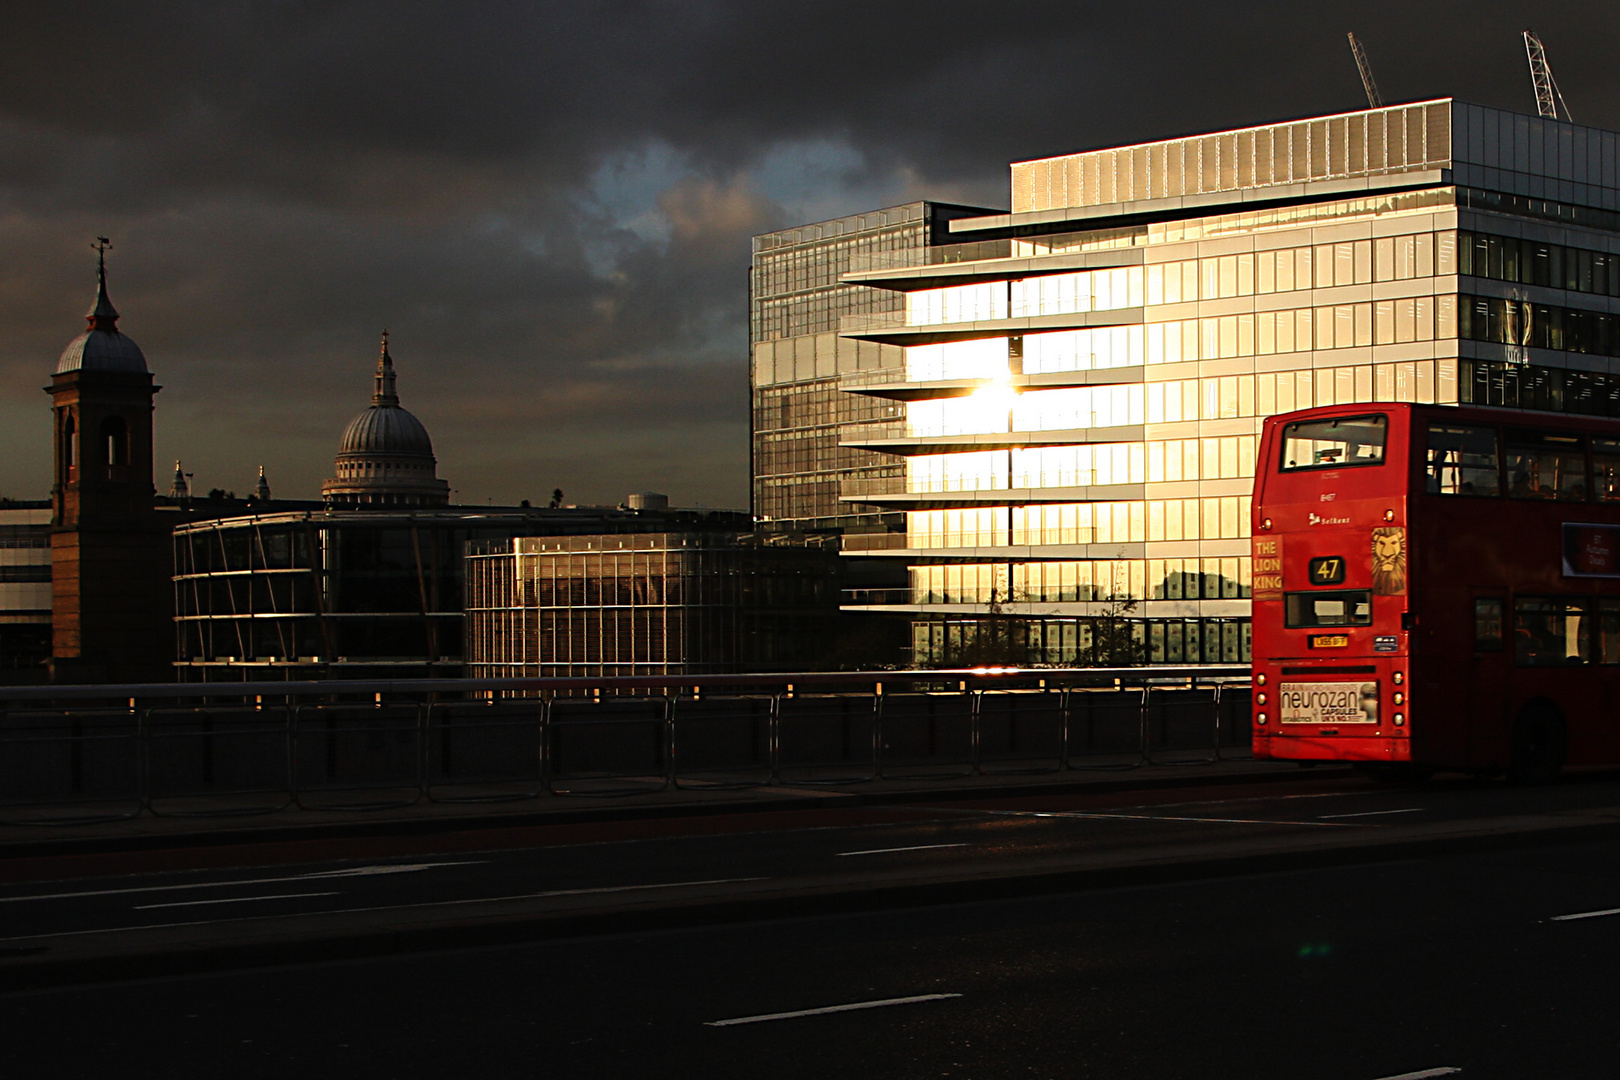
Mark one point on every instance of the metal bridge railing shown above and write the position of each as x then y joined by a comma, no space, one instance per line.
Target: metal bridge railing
77,754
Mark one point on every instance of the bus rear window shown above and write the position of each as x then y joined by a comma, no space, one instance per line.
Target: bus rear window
1334,444
1348,607
1462,461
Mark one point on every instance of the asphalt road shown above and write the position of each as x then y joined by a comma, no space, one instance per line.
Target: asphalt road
481,886
1355,972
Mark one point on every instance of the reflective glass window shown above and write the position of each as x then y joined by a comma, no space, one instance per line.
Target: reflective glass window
1344,607
1542,465
1461,460
1606,469
1551,632
1487,624
1335,443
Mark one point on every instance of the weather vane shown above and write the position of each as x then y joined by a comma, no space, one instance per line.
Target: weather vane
101,245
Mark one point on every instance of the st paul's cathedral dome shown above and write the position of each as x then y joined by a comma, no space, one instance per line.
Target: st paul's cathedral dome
386,457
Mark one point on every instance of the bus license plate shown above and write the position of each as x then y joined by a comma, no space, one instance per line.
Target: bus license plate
1330,641
1328,703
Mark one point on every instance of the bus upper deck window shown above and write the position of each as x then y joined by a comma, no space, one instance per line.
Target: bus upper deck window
1546,465
1606,469
1461,461
1334,444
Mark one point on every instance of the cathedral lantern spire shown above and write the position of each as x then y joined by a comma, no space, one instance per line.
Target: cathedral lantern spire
385,393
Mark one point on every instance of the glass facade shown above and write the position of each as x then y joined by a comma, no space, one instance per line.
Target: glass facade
1080,414
800,419
351,594
25,591
657,604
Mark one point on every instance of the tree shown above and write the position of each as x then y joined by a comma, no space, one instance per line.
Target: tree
1113,635
999,639
556,499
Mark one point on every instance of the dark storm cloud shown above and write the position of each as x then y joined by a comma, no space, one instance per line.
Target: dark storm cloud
549,204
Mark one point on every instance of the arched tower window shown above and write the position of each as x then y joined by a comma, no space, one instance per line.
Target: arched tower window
115,437
70,444
115,440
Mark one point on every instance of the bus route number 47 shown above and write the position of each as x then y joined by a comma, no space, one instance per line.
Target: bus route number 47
1327,570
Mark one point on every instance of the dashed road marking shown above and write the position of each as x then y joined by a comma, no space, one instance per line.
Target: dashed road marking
887,850
234,900
1586,915
379,907
1373,813
354,871
829,1009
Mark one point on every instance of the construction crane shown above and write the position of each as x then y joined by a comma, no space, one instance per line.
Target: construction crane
1374,99
1549,99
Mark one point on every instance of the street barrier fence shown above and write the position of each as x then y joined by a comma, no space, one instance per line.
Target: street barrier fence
75,754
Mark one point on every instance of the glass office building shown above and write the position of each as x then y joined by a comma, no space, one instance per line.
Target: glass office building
25,591
1081,406
800,419
680,603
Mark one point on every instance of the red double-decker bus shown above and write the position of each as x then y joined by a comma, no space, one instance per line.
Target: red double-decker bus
1437,587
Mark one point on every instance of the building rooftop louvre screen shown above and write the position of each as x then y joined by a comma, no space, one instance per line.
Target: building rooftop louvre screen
1399,139
1481,147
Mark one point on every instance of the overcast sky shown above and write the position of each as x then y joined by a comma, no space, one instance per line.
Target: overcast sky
548,204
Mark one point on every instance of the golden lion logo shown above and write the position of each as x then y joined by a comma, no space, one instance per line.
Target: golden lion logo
1389,561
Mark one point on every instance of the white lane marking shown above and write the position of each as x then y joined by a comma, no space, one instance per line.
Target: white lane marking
1423,1074
1586,915
1254,799
1160,817
887,850
357,871
234,900
828,1009
380,907
1374,813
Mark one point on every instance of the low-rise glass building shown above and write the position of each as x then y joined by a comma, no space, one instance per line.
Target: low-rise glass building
354,593
671,603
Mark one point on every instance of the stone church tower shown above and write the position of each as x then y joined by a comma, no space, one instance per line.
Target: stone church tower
111,563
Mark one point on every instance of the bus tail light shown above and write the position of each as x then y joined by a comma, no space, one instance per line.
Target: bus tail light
1397,678
1260,698
1260,678
1259,718
1400,698
1400,720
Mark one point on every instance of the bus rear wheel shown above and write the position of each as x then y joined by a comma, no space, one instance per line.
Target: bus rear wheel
1539,746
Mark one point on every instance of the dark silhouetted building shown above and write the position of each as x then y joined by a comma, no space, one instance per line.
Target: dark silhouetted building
110,600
